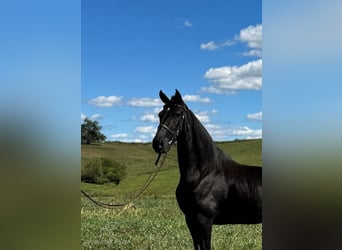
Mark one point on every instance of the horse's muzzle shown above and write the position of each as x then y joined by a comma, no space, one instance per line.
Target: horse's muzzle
160,145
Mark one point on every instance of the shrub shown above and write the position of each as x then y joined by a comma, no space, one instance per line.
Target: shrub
102,170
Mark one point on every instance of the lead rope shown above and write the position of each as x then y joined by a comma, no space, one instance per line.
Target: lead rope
147,183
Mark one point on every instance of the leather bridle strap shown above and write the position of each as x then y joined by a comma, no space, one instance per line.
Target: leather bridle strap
167,128
174,134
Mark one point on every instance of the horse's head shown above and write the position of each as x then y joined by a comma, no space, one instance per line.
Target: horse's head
171,122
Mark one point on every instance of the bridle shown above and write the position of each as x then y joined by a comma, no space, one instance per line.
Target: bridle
174,134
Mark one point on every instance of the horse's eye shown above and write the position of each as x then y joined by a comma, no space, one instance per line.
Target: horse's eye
177,115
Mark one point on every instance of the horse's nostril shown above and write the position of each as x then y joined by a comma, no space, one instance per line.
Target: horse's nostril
160,144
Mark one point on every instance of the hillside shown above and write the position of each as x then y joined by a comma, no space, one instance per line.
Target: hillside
140,158
155,220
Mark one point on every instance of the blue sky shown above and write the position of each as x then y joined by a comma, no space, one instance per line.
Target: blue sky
209,51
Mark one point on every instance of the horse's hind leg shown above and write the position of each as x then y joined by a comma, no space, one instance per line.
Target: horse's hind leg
200,229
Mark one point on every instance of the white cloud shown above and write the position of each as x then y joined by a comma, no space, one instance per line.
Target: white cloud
93,117
149,118
212,45
182,23
231,78
187,24
252,35
119,136
144,137
209,46
203,116
195,98
255,116
248,133
215,90
218,134
146,129
137,140
224,133
96,117
253,52
106,101
211,127
144,102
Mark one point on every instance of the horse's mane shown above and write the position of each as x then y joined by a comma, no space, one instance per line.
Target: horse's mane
201,131
211,156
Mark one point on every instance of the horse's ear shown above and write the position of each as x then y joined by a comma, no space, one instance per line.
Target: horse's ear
163,97
178,98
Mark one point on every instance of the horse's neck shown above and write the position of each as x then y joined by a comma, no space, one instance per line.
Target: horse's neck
196,151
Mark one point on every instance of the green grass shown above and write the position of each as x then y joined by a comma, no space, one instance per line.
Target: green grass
154,221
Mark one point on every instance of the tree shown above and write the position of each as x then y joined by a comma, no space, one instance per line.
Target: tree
90,132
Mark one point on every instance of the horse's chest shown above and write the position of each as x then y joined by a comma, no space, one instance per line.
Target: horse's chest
185,199
190,201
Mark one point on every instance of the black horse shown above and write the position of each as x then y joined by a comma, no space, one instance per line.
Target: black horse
213,188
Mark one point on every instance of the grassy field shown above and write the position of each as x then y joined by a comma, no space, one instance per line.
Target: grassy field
154,221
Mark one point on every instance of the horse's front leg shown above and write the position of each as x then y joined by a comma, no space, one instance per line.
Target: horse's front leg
200,229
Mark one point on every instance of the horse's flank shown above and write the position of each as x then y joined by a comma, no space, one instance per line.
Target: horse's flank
212,171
